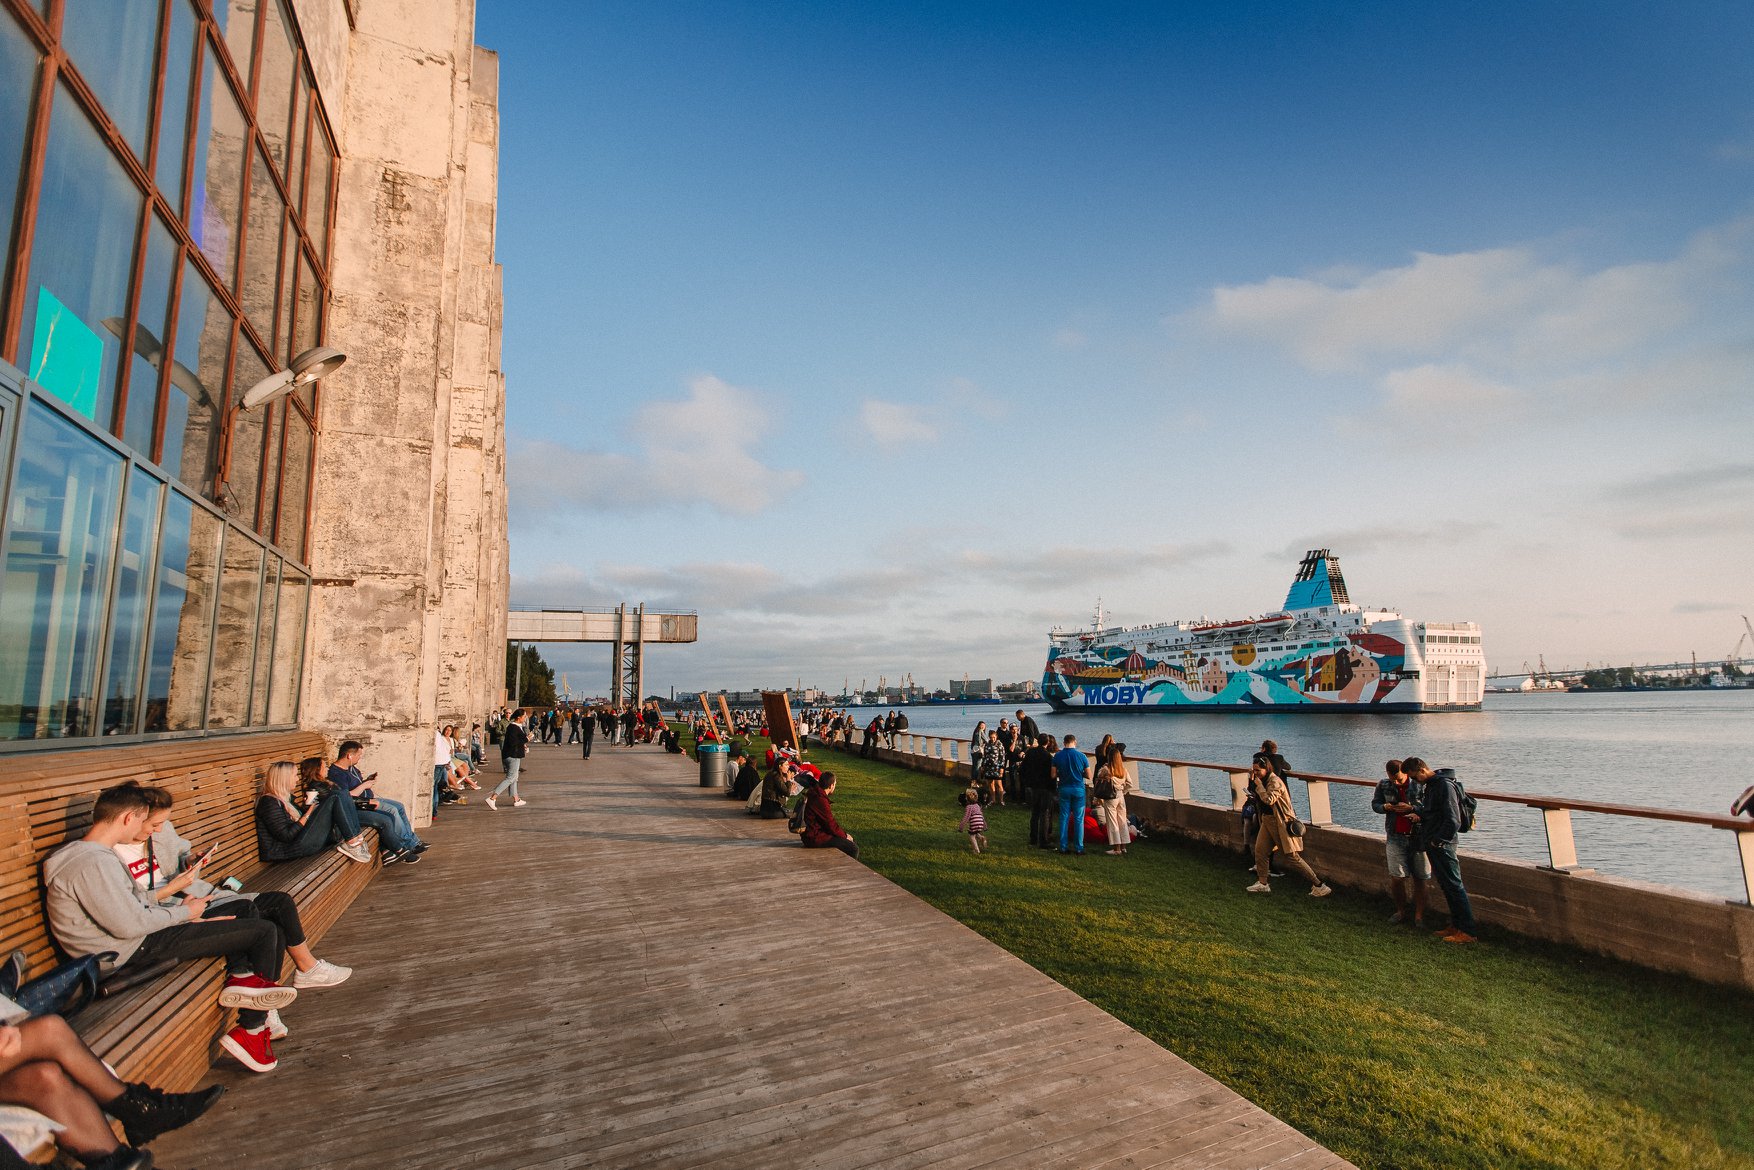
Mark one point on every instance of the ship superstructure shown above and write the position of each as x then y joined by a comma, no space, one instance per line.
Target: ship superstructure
1319,651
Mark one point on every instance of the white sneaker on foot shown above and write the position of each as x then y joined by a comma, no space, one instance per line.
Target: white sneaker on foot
519,803
492,805
277,1029
1321,891
1259,888
324,974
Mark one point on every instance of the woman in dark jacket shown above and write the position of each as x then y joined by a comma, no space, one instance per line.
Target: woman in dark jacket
821,830
284,834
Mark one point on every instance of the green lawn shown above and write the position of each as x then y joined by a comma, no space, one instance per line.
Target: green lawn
1391,1048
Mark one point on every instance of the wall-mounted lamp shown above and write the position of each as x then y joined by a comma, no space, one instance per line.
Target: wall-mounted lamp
306,368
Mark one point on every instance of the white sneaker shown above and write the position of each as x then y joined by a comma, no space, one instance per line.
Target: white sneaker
1321,891
492,805
519,803
352,852
1260,888
324,974
277,1029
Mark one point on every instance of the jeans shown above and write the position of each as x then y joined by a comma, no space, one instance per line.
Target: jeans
390,819
1041,817
1072,817
1448,872
439,773
334,819
249,945
846,846
512,766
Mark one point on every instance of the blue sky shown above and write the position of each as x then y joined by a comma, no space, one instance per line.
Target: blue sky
888,337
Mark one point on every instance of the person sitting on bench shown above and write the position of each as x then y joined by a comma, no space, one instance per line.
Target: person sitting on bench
285,834
45,1066
388,817
165,869
93,908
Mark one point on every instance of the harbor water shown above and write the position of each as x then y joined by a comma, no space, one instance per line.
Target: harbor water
1690,750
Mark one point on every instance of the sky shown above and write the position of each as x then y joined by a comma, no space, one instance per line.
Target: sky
888,337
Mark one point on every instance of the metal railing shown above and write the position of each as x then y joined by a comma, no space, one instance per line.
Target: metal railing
1555,810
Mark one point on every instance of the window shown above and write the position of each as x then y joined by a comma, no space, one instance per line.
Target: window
61,522
289,647
279,71
151,332
237,23
18,77
234,642
316,204
295,479
76,300
173,119
262,250
182,617
191,419
265,642
130,610
113,44
250,430
221,141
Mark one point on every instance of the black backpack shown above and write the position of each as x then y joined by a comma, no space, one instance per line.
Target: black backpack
1468,805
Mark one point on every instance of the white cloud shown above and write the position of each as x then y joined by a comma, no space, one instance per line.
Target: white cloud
696,450
1446,391
893,425
1500,307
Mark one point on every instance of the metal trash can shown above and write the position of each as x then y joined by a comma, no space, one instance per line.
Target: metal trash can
713,759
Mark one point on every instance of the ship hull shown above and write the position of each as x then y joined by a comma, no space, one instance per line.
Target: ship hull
1065,707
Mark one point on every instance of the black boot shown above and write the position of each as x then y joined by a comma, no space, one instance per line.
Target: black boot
146,1112
122,1158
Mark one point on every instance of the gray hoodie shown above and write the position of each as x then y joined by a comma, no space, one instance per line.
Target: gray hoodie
94,905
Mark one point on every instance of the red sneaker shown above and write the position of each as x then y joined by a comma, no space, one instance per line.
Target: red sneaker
253,1050
253,991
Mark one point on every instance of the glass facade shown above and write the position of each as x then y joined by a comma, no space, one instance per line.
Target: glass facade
166,193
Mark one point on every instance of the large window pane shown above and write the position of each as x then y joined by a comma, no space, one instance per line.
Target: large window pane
249,430
192,414
221,142
150,335
316,206
234,644
128,614
76,301
308,326
113,44
237,23
18,77
265,641
274,90
262,249
289,648
295,152
173,123
295,478
61,524
182,617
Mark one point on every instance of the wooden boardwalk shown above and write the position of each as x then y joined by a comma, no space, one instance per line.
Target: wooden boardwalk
631,972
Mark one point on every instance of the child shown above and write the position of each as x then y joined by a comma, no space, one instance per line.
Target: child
974,821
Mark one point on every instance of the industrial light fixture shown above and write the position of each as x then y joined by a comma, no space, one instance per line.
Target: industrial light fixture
307,367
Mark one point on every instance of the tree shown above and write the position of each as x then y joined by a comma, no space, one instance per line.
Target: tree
538,678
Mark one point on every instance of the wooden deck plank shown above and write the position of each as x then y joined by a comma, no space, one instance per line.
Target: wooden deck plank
631,972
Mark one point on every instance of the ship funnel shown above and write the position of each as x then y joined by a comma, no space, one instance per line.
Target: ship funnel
1318,582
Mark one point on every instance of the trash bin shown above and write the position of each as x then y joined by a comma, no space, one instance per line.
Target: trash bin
713,758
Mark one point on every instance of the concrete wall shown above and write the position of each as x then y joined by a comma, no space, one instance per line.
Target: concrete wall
408,520
1653,926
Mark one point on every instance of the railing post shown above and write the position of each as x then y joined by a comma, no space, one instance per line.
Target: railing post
1239,788
1180,787
1745,846
1561,848
955,748
1321,812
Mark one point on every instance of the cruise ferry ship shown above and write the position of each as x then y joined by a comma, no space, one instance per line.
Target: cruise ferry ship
1319,652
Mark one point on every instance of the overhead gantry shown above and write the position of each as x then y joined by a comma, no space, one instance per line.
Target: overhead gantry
627,629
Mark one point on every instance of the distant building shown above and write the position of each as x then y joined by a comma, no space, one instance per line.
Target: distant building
971,688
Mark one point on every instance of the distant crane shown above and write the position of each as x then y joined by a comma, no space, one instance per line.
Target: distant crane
1747,639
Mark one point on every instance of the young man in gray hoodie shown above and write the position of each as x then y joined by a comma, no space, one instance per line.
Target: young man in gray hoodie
95,906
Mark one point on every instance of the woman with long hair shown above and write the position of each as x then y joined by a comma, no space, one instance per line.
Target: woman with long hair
283,833
1115,780
1273,800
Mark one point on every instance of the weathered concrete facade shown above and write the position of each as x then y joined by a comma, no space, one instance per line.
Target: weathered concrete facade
408,542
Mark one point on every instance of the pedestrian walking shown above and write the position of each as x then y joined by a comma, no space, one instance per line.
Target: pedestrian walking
1276,816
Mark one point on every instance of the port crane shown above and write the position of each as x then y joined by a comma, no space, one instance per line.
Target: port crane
1747,639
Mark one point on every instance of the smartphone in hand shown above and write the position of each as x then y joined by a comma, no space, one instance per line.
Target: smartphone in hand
206,856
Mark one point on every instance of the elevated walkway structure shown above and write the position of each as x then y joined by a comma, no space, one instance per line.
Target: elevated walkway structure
632,972
626,629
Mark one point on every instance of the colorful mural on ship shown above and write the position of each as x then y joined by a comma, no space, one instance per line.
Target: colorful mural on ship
1359,670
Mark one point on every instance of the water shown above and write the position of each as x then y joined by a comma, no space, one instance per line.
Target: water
1670,749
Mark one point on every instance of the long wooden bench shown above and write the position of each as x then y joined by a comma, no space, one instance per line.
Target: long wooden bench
165,1031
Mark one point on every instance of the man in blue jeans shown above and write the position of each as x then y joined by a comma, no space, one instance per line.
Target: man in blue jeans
1071,768
388,817
1438,821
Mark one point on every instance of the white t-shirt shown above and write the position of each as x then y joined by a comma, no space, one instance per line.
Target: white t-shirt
441,749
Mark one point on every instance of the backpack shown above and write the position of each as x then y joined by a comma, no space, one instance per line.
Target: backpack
795,824
1105,786
1468,804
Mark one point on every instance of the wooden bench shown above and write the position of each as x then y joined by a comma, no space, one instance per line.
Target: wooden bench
166,1031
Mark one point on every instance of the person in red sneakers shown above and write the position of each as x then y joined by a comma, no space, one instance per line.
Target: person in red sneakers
93,909
45,1066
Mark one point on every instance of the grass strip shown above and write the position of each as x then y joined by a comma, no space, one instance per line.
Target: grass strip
1389,1047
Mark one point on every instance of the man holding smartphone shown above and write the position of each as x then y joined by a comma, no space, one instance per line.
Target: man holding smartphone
388,817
